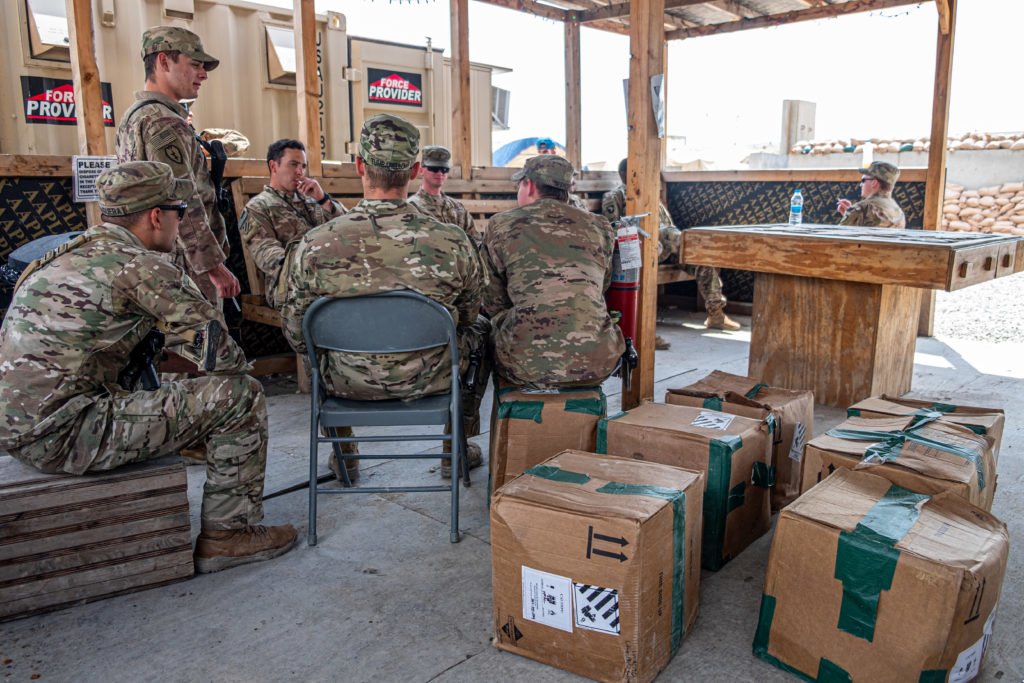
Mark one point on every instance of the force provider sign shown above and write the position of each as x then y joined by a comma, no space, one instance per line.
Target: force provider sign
395,87
52,101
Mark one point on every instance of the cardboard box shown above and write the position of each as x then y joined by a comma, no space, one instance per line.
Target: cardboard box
732,451
528,427
922,454
984,421
596,564
792,411
870,582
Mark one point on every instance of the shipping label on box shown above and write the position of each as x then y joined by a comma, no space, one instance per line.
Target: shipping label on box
733,451
919,452
868,581
792,412
983,421
596,564
528,427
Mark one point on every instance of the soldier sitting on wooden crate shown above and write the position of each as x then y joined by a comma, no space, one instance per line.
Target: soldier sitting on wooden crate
77,317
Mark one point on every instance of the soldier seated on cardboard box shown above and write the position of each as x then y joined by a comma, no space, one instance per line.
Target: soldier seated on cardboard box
613,206
386,244
877,208
78,314
550,266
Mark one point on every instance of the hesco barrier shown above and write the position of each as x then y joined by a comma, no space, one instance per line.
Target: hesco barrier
750,202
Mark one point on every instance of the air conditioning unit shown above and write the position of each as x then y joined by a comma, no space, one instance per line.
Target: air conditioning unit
499,108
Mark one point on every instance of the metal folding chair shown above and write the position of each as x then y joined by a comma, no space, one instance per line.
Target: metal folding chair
391,322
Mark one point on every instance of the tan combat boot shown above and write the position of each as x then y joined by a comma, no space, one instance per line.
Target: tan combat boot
660,343
473,454
223,549
717,319
351,465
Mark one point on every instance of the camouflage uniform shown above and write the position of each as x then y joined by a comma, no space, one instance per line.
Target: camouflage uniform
613,206
549,266
73,321
272,220
384,245
159,131
577,203
879,210
235,144
442,207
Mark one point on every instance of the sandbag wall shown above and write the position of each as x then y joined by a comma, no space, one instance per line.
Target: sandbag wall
993,209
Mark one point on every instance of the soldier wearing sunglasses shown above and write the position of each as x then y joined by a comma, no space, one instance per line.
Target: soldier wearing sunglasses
431,200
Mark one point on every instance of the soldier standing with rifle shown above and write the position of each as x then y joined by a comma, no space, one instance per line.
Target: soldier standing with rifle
77,316
155,128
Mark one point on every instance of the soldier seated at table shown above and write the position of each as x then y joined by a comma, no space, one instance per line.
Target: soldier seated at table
550,265
75,319
385,244
877,208
709,283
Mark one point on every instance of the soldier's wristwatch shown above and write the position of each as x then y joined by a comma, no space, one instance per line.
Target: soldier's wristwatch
326,199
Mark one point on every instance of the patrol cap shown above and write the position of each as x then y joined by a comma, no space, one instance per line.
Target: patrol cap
547,169
139,185
436,155
175,38
389,142
882,170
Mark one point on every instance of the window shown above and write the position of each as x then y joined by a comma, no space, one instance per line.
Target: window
48,35
280,55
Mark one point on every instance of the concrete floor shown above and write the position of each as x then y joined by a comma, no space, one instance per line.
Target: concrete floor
386,597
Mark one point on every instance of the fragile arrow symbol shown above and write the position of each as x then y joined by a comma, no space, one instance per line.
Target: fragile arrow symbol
621,557
612,539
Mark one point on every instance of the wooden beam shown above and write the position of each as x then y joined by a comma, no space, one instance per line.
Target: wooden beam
307,83
935,184
531,7
573,118
945,16
92,139
462,132
820,12
735,8
643,181
621,9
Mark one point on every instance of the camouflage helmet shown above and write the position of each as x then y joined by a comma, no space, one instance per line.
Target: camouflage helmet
547,169
436,155
177,39
882,170
139,185
389,142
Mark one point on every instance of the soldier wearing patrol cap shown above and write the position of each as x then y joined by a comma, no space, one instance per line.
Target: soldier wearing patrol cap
431,200
155,128
78,314
877,208
549,266
385,244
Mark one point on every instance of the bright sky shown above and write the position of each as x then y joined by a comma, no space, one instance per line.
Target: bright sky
870,74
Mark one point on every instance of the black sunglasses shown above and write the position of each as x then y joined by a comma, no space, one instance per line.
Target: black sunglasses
436,169
180,208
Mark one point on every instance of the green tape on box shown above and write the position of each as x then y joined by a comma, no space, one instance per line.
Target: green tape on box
755,390
558,474
944,407
737,496
763,633
866,558
763,475
933,676
853,412
521,410
716,499
830,672
587,406
678,500
889,444
712,403
602,431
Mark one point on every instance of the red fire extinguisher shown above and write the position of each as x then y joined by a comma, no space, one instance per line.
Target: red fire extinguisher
623,296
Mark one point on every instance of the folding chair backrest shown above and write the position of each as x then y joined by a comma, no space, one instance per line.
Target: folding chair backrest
390,322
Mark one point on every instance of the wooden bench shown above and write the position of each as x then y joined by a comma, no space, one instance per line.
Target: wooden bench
67,540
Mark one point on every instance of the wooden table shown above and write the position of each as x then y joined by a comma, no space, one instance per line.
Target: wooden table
836,308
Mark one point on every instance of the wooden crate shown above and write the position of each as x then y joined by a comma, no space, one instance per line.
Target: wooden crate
67,540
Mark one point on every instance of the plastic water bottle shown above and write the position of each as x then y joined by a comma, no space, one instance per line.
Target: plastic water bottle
796,208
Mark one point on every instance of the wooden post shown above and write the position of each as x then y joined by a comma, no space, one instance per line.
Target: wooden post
643,182
573,121
92,139
307,83
462,119
935,182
